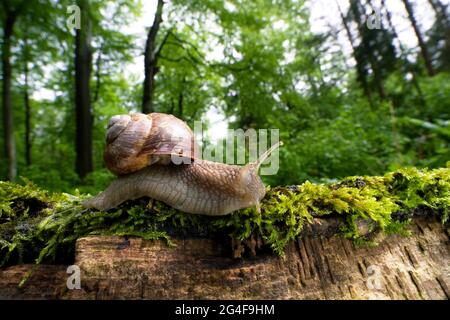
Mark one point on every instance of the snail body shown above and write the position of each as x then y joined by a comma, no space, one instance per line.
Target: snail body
203,187
142,159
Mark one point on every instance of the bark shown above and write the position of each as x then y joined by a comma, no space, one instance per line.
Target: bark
98,66
358,61
420,40
8,125
317,265
151,61
26,98
83,60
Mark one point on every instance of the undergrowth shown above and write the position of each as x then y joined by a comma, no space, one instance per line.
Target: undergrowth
37,226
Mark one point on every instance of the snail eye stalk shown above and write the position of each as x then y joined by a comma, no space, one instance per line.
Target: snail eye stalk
266,154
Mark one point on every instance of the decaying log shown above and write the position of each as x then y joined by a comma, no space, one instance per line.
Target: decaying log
318,265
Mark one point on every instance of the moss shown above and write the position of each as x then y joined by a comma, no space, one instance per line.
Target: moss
37,226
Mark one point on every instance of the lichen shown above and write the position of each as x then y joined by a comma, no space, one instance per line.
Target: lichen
37,226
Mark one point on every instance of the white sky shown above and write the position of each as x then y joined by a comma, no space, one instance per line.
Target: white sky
323,14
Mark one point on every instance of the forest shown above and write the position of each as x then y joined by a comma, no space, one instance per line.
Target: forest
353,98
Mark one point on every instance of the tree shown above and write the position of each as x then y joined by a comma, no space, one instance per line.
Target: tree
403,52
26,101
439,37
361,69
421,41
258,64
151,60
83,61
11,14
367,47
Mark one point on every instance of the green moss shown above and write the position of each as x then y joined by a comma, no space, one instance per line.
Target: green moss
37,226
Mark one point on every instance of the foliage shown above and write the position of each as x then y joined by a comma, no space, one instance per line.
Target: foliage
259,63
42,226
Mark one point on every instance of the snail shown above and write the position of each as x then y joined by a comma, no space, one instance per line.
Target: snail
140,150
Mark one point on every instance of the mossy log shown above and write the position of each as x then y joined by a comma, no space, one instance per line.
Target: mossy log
317,265
362,237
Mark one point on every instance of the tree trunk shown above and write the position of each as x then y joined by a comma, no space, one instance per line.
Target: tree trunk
8,126
420,40
363,71
83,60
151,61
98,66
26,98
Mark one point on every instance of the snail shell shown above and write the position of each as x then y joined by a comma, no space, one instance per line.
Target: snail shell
136,141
